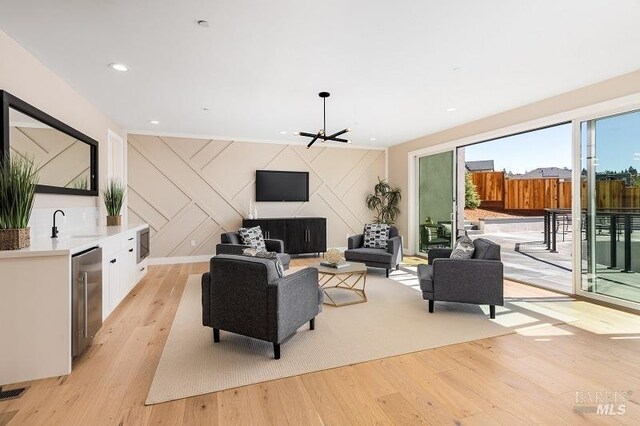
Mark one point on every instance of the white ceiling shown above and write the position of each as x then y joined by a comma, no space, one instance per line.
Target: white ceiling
393,67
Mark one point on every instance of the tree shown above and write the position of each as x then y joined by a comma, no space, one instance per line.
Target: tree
471,196
384,201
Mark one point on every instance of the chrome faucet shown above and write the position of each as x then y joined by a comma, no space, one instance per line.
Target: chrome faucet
54,229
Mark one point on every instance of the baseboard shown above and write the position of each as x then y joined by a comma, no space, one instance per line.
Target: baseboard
179,259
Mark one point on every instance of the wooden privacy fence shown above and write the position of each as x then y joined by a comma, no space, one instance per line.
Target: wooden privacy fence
498,191
537,194
612,194
490,185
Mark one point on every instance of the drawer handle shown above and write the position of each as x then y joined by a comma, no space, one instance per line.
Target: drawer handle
141,269
131,239
130,250
113,260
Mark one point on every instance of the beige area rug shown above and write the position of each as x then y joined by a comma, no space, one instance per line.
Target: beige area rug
394,321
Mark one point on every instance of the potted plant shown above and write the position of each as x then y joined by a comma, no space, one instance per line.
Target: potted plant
113,195
384,201
18,179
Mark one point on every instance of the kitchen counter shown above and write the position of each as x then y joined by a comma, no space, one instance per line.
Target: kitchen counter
65,245
36,296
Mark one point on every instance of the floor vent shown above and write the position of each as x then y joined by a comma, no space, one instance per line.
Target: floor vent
11,394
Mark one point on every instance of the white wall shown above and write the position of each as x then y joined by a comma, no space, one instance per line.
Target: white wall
22,75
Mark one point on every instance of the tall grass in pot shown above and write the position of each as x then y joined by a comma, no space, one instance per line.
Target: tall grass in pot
113,195
18,180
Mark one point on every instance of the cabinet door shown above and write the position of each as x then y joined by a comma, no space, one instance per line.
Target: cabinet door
296,241
114,266
316,235
131,263
276,229
106,284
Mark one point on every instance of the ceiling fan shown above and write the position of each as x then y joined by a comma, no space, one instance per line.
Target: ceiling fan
322,133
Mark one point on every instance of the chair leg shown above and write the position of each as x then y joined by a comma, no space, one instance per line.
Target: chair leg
312,324
276,350
216,335
492,311
398,267
431,303
387,272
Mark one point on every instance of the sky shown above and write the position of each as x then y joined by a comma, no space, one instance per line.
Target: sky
617,147
618,142
550,147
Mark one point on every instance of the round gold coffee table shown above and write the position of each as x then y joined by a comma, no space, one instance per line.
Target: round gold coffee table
352,278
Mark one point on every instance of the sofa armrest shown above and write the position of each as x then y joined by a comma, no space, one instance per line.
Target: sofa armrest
468,281
225,248
438,253
296,300
394,246
206,299
274,245
355,241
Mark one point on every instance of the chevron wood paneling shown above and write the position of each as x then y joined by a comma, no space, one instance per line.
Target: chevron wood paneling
195,189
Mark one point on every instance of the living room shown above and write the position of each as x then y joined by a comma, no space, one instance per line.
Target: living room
210,213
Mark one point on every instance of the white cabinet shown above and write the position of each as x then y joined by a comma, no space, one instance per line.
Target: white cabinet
121,271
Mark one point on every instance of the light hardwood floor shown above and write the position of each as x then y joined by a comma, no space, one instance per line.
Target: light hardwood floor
513,379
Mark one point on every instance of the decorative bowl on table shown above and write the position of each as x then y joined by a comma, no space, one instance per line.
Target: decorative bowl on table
333,257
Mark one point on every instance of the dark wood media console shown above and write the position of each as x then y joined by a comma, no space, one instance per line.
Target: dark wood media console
300,234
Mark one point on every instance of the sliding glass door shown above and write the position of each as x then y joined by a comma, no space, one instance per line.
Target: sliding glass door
435,201
610,197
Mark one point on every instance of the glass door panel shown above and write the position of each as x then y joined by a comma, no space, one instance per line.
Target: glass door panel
435,201
611,206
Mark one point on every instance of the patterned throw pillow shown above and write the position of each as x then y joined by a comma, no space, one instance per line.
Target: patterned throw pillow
464,248
253,237
271,255
376,235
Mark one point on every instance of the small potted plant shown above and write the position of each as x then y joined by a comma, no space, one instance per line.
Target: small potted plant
18,180
113,195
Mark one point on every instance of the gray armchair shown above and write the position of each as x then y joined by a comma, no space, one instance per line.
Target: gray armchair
374,257
478,280
231,243
244,295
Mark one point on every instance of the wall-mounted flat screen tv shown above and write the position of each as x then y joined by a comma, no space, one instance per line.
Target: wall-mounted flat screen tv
272,185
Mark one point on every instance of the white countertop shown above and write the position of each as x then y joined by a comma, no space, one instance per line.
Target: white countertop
70,244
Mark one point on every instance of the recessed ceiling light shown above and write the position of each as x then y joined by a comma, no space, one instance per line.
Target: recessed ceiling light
451,109
203,23
373,139
119,67
154,122
284,132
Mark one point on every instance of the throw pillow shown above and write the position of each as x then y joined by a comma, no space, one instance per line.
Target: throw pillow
463,249
253,237
376,235
271,255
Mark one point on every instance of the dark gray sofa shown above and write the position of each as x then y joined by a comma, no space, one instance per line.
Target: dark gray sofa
375,257
244,295
478,280
231,243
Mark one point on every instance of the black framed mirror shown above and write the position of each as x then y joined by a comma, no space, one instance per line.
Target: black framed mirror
67,160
